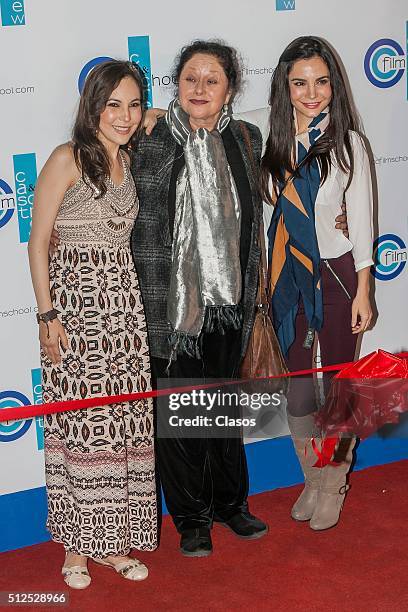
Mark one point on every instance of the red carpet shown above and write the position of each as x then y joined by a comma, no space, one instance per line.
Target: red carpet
362,564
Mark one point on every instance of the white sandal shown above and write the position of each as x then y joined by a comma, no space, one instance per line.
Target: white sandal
132,569
76,576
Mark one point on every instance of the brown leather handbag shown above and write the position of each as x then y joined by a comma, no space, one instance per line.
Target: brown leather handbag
263,357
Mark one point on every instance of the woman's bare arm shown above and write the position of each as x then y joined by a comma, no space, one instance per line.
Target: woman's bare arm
58,174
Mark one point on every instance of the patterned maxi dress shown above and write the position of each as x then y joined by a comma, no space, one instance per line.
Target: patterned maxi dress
99,462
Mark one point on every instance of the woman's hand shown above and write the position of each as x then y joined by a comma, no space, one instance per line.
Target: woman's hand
54,242
52,338
151,117
341,221
361,312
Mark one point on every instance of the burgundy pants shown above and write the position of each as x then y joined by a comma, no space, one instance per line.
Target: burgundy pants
337,343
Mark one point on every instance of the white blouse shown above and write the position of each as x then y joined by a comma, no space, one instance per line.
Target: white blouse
359,201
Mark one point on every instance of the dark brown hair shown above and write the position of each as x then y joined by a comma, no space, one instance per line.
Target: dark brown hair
280,146
89,153
226,55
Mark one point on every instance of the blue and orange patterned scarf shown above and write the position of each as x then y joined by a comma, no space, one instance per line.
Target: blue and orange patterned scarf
293,249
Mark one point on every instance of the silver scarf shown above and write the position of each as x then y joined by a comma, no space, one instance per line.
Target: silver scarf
206,271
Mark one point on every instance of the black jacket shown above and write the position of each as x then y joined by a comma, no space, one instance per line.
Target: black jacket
152,165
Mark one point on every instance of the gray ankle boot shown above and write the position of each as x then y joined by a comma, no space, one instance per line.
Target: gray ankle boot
333,488
302,430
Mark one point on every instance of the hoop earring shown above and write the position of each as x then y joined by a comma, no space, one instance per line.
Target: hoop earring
225,108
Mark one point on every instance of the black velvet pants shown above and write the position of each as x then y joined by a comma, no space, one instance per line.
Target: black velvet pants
203,479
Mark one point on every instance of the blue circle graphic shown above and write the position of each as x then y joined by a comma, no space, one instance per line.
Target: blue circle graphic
386,248
87,69
382,75
5,215
16,429
383,48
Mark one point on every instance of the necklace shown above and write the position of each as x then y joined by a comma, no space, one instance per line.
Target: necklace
121,212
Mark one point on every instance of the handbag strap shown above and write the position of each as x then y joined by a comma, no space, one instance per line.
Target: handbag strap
248,146
262,297
263,294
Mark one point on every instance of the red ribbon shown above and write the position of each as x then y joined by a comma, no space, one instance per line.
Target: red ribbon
325,453
35,410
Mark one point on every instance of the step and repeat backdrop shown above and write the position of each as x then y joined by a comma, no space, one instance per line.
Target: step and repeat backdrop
47,50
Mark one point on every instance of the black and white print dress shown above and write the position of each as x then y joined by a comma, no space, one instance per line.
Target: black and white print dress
99,462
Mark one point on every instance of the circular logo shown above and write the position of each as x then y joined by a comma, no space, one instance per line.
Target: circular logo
6,203
87,69
384,63
390,257
10,431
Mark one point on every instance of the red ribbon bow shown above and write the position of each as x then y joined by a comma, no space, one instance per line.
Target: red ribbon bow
364,396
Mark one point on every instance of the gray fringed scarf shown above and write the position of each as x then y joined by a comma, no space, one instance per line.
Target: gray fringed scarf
205,282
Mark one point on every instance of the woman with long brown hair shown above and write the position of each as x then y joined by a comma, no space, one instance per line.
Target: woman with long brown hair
100,462
315,160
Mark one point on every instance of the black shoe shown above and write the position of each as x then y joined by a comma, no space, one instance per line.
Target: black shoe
245,525
196,542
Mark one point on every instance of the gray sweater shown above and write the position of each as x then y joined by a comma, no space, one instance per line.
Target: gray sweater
152,165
